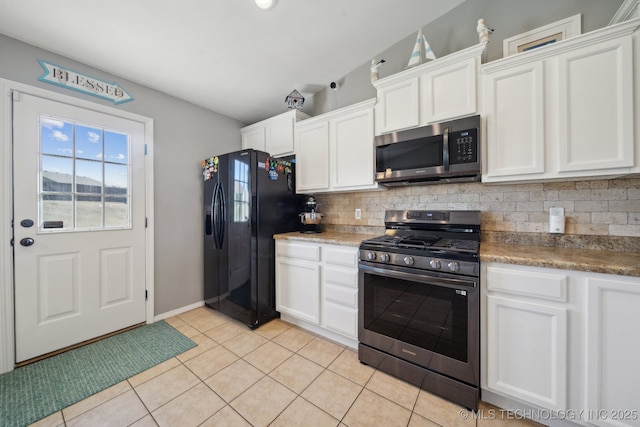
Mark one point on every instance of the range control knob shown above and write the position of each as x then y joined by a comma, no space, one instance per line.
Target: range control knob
385,257
371,256
434,263
408,260
453,266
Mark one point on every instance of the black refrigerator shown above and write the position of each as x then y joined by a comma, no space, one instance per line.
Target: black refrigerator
248,197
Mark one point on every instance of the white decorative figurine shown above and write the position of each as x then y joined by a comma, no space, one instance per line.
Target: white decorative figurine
483,31
375,67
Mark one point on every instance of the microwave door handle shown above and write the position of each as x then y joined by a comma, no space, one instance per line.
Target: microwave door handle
445,149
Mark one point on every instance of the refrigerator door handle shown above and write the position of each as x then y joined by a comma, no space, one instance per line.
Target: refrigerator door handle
223,215
208,215
216,216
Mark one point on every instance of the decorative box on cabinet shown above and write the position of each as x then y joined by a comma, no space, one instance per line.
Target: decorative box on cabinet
562,111
441,89
335,151
274,135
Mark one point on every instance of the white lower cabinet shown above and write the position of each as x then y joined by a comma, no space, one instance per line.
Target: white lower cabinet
319,293
298,280
613,350
561,344
527,335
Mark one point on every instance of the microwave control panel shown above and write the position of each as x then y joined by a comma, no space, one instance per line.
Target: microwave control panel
463,146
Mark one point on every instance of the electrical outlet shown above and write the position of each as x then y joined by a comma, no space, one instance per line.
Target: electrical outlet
358,214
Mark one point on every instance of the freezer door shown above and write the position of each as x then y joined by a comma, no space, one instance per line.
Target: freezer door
237,295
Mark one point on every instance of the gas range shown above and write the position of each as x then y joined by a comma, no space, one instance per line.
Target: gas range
445,241
419,301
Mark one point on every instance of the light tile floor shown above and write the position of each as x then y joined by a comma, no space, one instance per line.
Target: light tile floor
276,375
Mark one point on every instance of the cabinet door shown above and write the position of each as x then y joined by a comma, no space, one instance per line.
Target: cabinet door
352,150
398,106
254,138
312,157
527,351
613,376
298,289
515,126
595,99
448,92
279,138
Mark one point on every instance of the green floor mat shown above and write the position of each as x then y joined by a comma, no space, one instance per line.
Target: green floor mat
35,391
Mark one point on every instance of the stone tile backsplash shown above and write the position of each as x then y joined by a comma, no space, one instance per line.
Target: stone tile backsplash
596,208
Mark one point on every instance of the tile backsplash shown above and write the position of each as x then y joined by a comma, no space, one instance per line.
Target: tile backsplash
594,208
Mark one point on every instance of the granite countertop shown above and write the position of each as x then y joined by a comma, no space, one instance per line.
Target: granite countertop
590,260
328,237
595,261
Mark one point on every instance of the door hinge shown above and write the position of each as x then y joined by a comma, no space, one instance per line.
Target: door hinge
145,149
146,294
146,222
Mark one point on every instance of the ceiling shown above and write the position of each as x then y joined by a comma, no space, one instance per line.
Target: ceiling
224,55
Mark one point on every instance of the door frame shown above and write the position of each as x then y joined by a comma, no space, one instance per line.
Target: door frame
7,337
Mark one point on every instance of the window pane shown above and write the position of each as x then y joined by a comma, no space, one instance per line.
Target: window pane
116,211
88,142
88,177
116,179
57,174
88,211
57,136
56,211
116,147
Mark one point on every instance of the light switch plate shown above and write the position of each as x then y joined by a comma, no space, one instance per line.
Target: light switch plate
358,214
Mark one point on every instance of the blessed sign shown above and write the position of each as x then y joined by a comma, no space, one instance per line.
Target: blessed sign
73,80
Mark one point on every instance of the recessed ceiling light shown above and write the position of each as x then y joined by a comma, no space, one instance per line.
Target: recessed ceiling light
265,4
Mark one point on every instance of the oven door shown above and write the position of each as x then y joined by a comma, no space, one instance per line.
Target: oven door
430,320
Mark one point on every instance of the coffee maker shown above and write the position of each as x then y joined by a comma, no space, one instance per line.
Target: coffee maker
310,218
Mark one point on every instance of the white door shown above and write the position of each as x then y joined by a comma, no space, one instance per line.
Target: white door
79,224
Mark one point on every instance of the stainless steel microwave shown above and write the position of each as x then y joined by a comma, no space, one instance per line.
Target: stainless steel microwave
437,153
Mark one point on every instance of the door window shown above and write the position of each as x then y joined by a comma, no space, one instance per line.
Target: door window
84,177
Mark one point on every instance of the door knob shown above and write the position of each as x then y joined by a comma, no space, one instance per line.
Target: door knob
27,241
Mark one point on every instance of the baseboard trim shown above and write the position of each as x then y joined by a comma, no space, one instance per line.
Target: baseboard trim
177,311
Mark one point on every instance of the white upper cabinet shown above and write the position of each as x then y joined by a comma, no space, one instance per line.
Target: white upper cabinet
312,156
335,151
562,111
254,136
438,90
274,135
595,103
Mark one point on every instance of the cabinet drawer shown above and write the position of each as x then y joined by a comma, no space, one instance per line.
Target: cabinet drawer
341,276
528,283
343,320
340,256
298,251
341,295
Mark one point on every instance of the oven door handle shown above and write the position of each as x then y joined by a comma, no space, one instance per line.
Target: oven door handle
425,278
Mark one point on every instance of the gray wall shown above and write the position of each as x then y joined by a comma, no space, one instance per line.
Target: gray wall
456,30
183,135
